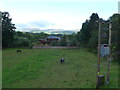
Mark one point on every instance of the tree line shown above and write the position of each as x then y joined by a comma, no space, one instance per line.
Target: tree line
87,37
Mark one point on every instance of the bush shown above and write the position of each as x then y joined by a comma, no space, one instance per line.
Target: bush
21,42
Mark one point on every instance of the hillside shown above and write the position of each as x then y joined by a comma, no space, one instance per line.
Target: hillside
49,31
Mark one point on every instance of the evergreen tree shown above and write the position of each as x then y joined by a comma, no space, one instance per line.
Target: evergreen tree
7,30
88,27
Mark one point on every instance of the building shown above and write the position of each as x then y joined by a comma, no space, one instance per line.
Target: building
53,38
49,40
43,41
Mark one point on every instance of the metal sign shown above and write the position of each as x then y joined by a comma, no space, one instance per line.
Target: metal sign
104,50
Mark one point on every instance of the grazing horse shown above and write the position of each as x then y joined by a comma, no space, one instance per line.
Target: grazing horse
62,60
18,51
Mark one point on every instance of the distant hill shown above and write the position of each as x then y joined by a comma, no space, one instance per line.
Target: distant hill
49,31
62,32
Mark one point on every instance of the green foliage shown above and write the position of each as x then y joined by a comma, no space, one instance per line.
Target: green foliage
7,30
72,40
63,41
21,39
25,39
93,42
87,28
21,42
116,36
55,43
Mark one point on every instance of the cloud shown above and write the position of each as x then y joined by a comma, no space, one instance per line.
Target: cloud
48,20
34,24
47,25
64,26
58,15
41,23
51,21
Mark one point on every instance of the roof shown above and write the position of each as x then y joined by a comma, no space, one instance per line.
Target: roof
53,37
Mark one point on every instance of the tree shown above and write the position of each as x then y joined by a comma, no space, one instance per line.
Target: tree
7,30
63,41
72,40
115,18
93,40
87,29
84,33
21,42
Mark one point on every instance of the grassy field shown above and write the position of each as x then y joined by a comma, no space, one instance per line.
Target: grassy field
40,68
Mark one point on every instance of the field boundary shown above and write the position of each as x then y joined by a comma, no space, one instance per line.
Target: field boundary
54,47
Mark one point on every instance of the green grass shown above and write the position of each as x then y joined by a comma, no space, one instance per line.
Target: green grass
40,68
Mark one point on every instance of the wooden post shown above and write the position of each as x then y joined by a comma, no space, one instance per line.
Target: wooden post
109,56
98,61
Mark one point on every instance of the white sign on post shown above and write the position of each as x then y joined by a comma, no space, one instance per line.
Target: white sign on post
104,50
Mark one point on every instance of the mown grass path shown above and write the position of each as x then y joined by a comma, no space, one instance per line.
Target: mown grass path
40,68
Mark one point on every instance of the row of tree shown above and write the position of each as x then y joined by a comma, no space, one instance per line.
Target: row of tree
88,35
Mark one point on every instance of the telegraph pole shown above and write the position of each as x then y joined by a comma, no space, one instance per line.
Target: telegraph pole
98,61
109,56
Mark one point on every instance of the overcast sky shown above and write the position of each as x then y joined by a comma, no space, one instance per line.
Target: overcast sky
56,14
